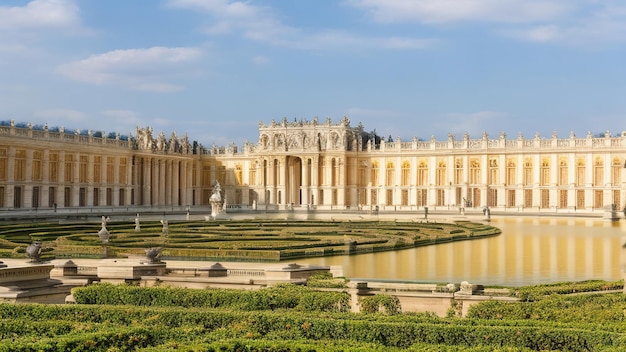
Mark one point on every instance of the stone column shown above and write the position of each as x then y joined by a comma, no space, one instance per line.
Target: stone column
60,189
116,182
175,182
154,182
168,181
282,175
304,187
130,182
162,170
183,183
90,185
45,178
102,193
341,182
28,188
314,181
147,178
75,186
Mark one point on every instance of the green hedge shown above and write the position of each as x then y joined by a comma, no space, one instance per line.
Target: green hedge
284,296
105,327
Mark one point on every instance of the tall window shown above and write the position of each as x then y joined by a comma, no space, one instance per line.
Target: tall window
37,174
474,171
82,170
69,173
493,172
97,169
206,175
441,197
511,173
580,199
510,199
422,196
598,172
390,174
544,172
406,173
616,173
563,198
362,180
562,172
458,171
492,197
528,172
422,173
389,197
4,162
252,174
239,175
405,197
53,167
123,171
598,199
20,165
528,198
580,172
1,197
374,174
221,175
441,173
110,170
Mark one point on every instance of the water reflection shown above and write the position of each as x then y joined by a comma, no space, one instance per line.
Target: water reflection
529,251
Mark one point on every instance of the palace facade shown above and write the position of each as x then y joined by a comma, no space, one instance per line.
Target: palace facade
310,164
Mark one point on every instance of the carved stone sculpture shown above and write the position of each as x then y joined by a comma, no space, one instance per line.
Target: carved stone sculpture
104,234
154,254
33,251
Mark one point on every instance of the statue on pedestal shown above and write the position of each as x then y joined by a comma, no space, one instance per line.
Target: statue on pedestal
165,227
104,233
216,200
137,225
33,251
154,254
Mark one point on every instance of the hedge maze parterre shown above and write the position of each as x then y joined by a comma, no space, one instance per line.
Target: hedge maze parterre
243,240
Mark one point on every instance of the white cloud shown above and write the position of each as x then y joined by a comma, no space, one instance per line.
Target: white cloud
23,29
574,22
40,14
605,24
261,24
137,69
447,11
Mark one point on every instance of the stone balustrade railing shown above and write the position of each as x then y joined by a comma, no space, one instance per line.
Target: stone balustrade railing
552,143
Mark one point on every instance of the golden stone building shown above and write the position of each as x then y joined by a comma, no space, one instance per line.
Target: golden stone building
312,165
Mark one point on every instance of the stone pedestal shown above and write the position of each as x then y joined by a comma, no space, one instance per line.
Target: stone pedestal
217,270
128,272
30,284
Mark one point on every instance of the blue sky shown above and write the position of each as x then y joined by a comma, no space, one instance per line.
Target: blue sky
214,68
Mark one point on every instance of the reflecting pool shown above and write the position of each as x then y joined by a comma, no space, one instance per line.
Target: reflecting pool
530,250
